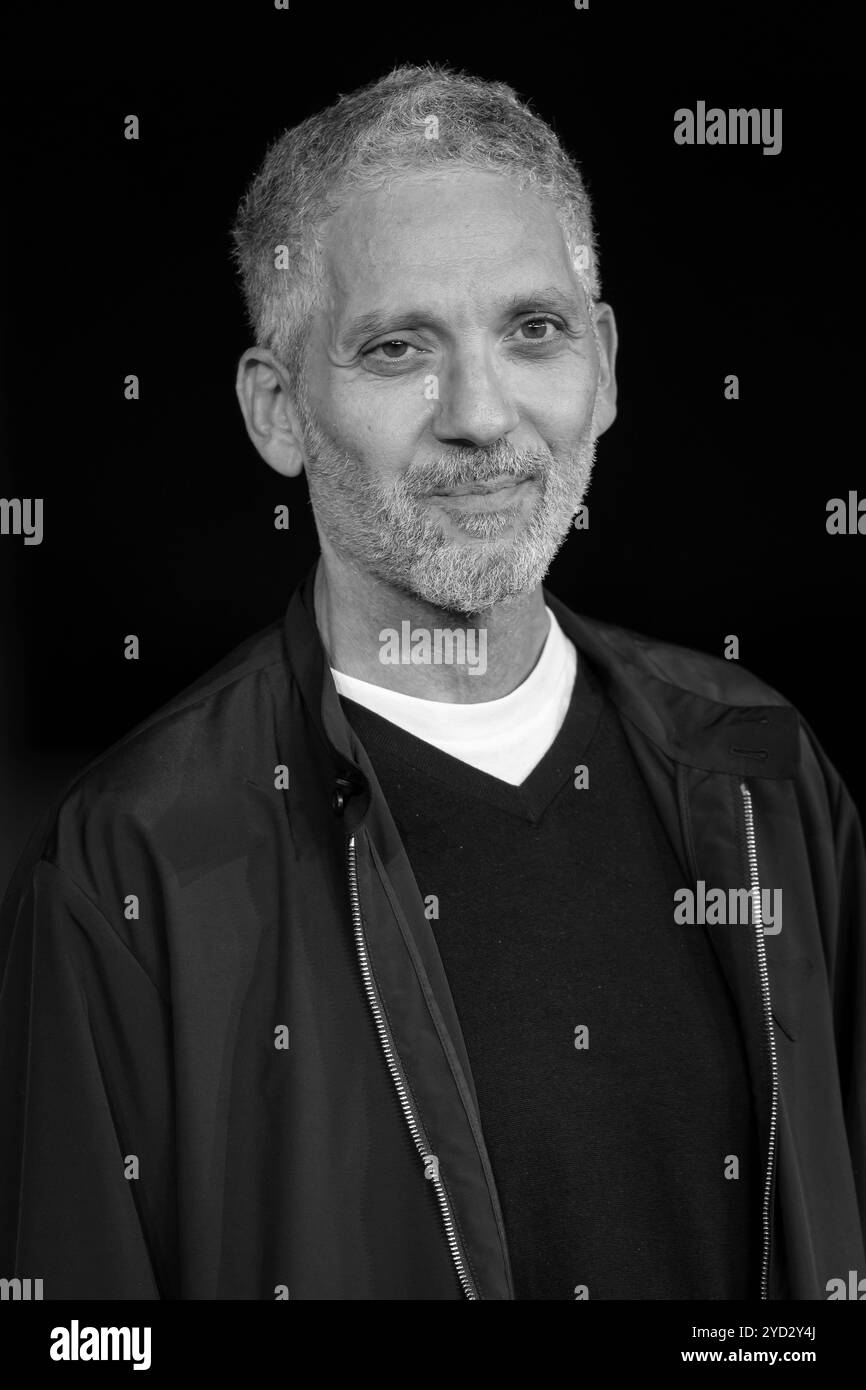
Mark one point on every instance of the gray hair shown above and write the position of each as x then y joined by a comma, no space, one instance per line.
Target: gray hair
412,120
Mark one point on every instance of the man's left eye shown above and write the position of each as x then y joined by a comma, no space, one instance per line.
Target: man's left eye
538,327
392,350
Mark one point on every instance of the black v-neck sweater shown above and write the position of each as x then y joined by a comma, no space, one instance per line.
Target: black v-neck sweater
611,1077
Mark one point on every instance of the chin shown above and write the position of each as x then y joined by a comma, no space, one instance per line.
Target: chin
474,593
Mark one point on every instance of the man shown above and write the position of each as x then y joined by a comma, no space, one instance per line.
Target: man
361,970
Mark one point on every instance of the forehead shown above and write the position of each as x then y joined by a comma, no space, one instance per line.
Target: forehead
441,232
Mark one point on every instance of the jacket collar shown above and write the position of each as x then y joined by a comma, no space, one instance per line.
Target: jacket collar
733,724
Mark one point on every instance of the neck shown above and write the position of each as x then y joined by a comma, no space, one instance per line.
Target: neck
382,635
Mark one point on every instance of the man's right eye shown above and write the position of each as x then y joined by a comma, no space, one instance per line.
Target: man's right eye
398,343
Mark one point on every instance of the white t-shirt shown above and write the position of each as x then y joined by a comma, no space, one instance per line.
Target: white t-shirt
505,737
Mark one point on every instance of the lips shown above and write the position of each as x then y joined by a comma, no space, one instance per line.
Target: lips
480,489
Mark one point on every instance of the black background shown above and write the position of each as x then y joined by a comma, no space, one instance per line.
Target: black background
707,516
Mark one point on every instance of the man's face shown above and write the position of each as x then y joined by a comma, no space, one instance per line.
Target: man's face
449,388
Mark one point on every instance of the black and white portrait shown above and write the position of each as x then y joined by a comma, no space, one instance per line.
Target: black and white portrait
431,552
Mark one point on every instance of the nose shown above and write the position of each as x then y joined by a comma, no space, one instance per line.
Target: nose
474,406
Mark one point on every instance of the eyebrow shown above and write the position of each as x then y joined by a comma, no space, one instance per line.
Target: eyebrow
549,299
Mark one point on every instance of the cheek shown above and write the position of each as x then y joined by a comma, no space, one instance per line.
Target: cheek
559,390
382,433
563,414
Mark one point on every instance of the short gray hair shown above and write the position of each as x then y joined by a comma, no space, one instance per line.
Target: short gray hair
379,132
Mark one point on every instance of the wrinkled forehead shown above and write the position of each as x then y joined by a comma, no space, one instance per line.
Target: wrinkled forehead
450,237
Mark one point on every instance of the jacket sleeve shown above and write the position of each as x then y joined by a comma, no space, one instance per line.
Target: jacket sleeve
851,983
87,1200
843,894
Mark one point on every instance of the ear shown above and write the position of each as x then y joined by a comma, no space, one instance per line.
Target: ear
267,405
606,388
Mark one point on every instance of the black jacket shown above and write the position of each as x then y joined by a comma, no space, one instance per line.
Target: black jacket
251,1082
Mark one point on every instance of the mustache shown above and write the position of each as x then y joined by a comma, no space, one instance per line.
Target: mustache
461,467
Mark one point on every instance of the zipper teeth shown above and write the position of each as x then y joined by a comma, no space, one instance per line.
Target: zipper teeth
415,1130
755,891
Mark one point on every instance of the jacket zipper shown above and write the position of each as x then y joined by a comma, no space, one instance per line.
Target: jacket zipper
764,974
419,1138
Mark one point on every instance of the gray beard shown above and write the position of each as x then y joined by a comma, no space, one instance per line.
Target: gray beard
385,531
